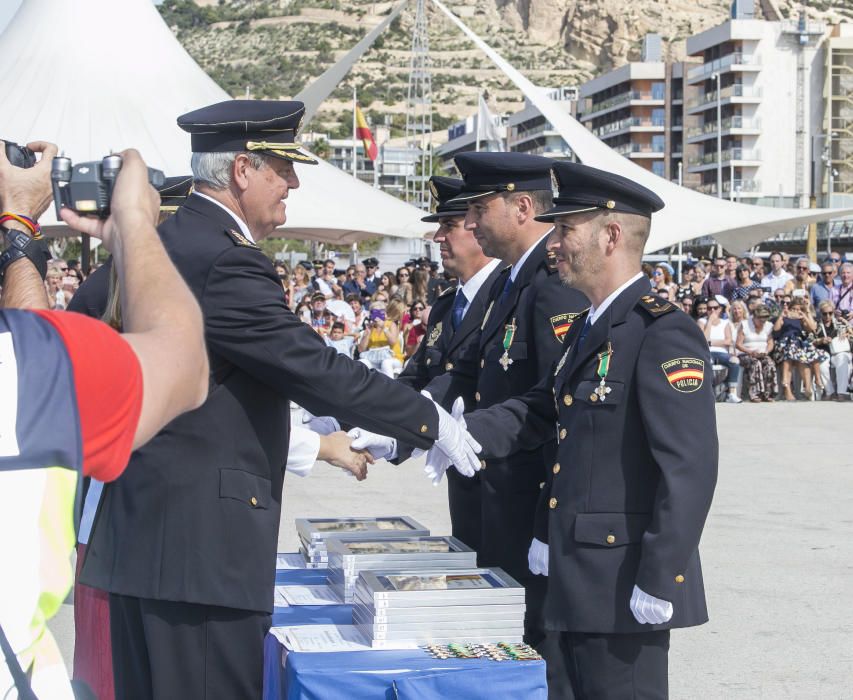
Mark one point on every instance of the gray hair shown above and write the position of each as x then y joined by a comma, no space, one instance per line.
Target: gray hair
214,169
846,266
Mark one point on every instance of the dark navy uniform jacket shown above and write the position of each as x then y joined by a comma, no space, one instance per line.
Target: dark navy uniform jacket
195,516
635,473
441,349
540,306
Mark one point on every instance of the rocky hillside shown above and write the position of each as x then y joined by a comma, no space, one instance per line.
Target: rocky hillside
272,48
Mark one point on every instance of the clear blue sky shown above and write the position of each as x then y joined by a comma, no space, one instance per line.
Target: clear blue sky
9,7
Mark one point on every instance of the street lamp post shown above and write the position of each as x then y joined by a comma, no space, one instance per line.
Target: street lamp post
680,245
716,77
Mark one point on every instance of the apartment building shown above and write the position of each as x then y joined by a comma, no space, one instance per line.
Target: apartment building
527,131
755,122
637,110
834,171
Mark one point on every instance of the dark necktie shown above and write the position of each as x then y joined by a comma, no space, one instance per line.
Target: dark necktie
459,304
507,289
586,326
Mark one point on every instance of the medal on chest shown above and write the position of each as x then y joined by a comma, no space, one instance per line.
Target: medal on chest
434,335
509,335
602,390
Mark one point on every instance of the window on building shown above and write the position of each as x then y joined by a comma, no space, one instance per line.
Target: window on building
658,117
658,143
658,91
658,167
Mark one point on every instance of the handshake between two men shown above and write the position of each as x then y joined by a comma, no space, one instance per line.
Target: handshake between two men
454,445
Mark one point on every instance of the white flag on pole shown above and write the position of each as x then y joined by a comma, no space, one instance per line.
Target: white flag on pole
487,129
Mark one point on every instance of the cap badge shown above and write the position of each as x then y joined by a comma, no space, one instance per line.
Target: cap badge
432,189
510,187
610,204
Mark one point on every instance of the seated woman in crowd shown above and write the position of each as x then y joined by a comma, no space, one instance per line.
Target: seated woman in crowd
414,327
794,346
718,332
745,284
662,279
300,283
379,344
404,285
833,337
755,344
359,312
737,316
699,275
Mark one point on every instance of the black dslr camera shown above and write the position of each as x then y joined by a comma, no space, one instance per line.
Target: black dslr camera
87,188
19,156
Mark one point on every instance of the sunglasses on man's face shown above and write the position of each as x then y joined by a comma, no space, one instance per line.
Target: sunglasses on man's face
826,313
713,307
802,269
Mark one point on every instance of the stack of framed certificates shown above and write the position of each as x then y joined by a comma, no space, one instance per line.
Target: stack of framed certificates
314,532
465,605
349,557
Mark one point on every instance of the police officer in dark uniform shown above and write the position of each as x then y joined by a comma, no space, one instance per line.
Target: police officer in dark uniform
632,483
185,541
452,338
529,312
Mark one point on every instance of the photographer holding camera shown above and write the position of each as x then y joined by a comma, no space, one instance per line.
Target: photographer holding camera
378,341
93,380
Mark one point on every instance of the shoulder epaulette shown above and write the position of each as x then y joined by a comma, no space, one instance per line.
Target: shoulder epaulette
240,239
654,305
447,291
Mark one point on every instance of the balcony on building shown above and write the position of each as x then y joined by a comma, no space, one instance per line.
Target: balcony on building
731,126
736,93
737,156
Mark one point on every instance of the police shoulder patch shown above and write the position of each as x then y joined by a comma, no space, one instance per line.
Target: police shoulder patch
240,239
655,305
561,323
684,374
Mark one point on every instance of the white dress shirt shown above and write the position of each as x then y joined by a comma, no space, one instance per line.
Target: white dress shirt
472,286
595,313
244,229
513,273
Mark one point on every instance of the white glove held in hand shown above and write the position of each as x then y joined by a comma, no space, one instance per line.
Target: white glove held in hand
537,558
379,446
454,445
322,425
650,610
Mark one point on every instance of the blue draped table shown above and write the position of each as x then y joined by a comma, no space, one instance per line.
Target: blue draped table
382,675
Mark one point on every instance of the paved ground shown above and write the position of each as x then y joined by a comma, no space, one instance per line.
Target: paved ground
777,552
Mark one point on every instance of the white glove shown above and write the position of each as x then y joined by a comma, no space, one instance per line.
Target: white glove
454,444
379,446
537,558
323,425
650,610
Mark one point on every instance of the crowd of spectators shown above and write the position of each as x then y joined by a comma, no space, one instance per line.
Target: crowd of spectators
781,332
378,318
777,328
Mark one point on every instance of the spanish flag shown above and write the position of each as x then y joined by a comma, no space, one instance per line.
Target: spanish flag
362,131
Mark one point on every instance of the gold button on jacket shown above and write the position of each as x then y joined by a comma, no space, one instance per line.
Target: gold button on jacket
552,503
679,579
477,395
567,399
424,428
611,539
448,366
556,468
563,434
253,501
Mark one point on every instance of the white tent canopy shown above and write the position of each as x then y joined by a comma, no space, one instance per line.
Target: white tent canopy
98,76
688,214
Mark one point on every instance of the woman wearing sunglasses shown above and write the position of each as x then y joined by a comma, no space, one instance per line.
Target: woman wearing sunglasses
718,332
793,333
833,336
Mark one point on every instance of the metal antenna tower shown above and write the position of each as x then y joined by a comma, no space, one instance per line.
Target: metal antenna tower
419,111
